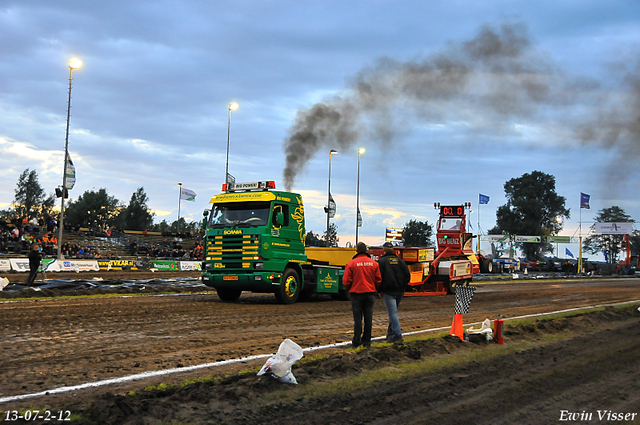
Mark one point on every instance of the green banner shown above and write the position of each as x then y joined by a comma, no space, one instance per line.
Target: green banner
164,265
559,239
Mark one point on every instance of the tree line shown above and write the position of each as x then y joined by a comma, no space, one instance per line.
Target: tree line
533,208
95,210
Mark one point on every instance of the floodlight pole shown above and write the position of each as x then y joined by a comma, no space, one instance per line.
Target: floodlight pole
179,200
72,64
360,151
331,153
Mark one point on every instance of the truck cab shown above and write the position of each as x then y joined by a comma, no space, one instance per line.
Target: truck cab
254,241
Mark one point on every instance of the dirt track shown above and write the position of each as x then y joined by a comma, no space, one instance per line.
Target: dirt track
62,342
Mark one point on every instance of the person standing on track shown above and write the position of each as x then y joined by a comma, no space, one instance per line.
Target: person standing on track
34,263
395,277
361,279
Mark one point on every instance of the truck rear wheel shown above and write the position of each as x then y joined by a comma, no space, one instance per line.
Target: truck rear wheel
289,289
487,266
228,295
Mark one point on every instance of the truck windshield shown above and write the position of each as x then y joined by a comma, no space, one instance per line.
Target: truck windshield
452,223
242,214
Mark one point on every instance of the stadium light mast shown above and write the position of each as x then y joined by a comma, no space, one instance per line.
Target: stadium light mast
73,64
358,216
331,153
232,107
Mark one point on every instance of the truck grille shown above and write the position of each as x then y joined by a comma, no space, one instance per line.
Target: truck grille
234,251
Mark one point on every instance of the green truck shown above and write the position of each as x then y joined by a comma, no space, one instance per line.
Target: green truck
255,241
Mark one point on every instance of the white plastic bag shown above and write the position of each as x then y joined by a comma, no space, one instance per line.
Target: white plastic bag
279,365
3,282
484,330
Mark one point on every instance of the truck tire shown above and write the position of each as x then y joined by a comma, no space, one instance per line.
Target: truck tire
487,266
228,295
289,289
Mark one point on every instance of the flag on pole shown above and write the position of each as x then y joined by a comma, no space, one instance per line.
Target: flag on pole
464,295
359,219
484,199
569,253
332,207
187,195
584,200
70,178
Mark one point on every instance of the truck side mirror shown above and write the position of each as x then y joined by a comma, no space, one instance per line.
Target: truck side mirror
205,217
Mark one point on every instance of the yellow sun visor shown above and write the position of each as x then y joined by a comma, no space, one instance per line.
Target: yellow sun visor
242,197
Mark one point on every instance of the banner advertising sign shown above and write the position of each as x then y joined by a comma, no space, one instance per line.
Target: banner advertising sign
5,265
53,265
614,228
496,238
19,264
527,239
164,264
22,265
559,239
393,235
117,265
190,265
77,265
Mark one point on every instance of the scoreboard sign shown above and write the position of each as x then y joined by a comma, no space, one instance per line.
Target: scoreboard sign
393,235
452,210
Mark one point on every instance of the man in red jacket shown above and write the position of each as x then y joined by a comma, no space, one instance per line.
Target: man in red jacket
361,279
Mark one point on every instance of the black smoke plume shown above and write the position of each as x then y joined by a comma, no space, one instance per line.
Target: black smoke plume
491,83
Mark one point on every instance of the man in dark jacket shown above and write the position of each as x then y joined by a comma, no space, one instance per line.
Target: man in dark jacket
34,263
395,277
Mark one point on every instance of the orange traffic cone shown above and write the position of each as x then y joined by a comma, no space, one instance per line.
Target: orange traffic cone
456,326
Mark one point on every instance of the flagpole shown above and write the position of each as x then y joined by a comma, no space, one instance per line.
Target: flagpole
580,238
478,243
179,200
332,152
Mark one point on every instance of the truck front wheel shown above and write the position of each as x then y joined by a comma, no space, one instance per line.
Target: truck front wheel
289,289
228,295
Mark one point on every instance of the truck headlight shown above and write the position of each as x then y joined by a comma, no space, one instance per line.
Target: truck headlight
260,266
206,266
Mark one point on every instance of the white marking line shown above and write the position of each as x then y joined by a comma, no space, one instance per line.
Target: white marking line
256,357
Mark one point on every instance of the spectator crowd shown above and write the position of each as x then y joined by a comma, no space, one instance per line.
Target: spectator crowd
18,234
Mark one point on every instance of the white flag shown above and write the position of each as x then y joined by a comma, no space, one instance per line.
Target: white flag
70,178
188,195
332,207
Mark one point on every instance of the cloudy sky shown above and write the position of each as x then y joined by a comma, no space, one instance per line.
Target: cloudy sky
449,98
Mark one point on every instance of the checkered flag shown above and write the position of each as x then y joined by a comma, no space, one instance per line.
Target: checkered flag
464,295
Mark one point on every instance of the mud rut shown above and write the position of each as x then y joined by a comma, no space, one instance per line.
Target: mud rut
52,343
